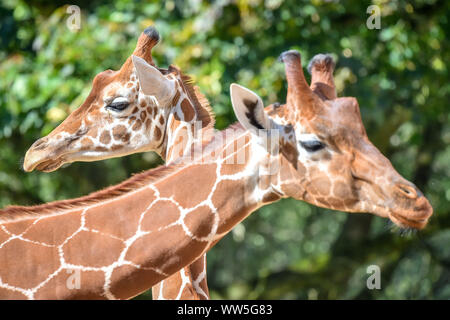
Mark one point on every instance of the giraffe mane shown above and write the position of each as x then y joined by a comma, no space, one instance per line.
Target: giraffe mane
17,213
201,104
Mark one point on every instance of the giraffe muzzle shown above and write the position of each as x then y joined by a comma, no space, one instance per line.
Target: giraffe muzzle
42,158
413,209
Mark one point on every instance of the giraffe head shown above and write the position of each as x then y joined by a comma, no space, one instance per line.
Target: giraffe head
325,156
127,111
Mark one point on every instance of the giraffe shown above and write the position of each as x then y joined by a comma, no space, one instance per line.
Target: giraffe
139,108
333,163
176,213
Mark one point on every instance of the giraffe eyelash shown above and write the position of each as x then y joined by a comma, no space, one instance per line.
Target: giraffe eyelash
118,104
312,146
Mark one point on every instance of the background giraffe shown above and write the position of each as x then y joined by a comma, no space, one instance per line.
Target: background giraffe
202,201
139,108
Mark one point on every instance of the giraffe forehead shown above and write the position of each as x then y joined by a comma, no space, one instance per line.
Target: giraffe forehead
336,119
121,87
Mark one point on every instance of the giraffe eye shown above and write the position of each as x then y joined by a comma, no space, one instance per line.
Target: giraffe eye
118,104
312,146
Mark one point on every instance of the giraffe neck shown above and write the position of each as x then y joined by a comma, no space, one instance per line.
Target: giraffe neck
121,246
184,132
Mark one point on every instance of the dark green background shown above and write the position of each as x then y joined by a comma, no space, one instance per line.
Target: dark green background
289,250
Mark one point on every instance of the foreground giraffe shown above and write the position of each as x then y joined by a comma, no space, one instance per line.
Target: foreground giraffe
139,108
183,210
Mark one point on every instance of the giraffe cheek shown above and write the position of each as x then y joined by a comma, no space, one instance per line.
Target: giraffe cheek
342,190
321,185
301,170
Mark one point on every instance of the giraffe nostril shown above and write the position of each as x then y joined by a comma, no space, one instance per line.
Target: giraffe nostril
41,143
408,191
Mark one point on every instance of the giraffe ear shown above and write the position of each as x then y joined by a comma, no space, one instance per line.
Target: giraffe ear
249,108
152,81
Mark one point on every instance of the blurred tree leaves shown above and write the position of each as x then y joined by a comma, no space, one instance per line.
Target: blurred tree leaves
288,250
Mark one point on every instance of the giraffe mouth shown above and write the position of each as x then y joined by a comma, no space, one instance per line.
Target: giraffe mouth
416,218
49,165
405,222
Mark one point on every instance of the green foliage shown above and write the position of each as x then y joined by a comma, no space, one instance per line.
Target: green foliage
399,74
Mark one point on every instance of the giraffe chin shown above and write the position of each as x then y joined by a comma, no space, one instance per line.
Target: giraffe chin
406,223
411,221
50,165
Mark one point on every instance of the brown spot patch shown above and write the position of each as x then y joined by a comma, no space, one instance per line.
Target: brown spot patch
153,219
86,143
120,218
116,147
143,115
147,124
19,226
179,145
126,137
200,178
137,125
101,149
173,289
93,132
348,203
157,134
105,137
188,110
289,152
119,131
200,221
28,271
161,119
143,103
335,203
4,236
168,250
128,281
230,198
91,286
197,267
270,197
54,230
341,190
6,294
92,249
321,185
